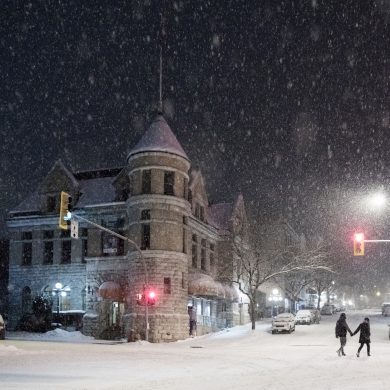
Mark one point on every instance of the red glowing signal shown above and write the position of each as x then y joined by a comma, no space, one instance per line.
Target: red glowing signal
358,244
359,237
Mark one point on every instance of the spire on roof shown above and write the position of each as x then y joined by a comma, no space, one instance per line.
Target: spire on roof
161,41
159,138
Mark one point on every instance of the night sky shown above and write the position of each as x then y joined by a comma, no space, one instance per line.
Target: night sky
287,102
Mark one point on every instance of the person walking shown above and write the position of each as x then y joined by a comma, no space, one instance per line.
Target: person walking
365,334
341,332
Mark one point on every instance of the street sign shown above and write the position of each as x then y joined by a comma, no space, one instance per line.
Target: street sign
74,229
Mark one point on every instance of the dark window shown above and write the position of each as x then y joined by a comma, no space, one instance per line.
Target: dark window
65,233
146,181
185,190
26,235
145,214
182,280
167,285
194,238
190,196
84,250
194,256
145,243
27,253
201,213
169,182
197,210
48,253
184,240
212,261
185,220
204,242
48,234
26,299
212,247
51,203
223,308
84,232
66,253
203,260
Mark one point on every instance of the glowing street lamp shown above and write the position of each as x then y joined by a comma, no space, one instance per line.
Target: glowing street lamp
275,298
57,291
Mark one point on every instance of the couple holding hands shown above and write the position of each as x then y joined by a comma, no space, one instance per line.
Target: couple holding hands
341,332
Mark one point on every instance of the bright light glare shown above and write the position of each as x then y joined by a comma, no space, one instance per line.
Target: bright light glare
377,200
359,237
152,294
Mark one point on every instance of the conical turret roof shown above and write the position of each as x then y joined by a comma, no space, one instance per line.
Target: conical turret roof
158,138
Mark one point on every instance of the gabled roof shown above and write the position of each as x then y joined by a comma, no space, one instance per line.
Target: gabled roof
219,215
159,138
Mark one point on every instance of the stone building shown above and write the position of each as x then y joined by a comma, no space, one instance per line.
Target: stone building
161,205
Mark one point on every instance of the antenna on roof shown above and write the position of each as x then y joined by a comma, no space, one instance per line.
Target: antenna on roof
161,41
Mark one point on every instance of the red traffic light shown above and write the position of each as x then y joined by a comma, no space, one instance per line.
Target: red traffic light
358,244
151,295
359,237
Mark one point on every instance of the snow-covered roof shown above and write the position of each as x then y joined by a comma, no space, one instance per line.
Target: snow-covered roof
158,138
30,204
96,191
219,215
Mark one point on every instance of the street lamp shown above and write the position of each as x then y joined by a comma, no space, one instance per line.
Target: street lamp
275,298
56,291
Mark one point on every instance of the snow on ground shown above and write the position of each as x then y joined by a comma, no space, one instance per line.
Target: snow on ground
236,358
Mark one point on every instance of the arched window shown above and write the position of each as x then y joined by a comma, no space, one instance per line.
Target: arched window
26,300
47,291
65,298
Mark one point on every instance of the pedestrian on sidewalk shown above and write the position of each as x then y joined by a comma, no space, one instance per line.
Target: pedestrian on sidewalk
365,334
341,332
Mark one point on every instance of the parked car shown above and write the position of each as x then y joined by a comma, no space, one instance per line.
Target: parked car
327,309
2,328
384,306
339,304
304,317
284,322
316,316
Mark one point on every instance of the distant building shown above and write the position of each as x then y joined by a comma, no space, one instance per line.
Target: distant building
154,200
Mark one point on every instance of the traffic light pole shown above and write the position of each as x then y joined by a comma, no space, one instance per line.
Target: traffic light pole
139,251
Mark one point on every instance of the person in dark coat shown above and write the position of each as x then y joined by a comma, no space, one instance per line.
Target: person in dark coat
365,334
341,332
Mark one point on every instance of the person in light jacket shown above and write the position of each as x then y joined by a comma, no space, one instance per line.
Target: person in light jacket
365,334
341,332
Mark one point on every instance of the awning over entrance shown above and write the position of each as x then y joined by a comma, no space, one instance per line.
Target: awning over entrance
111,290
204,285
230,292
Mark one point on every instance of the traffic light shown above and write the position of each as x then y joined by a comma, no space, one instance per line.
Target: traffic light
65,208
151,298
358,244
148,297
141,299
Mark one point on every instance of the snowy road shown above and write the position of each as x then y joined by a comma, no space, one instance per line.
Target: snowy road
234,359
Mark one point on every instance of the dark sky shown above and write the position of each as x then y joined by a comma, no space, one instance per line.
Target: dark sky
287,102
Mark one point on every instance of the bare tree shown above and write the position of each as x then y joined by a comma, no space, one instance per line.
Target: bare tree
293,282
254,264
322,282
